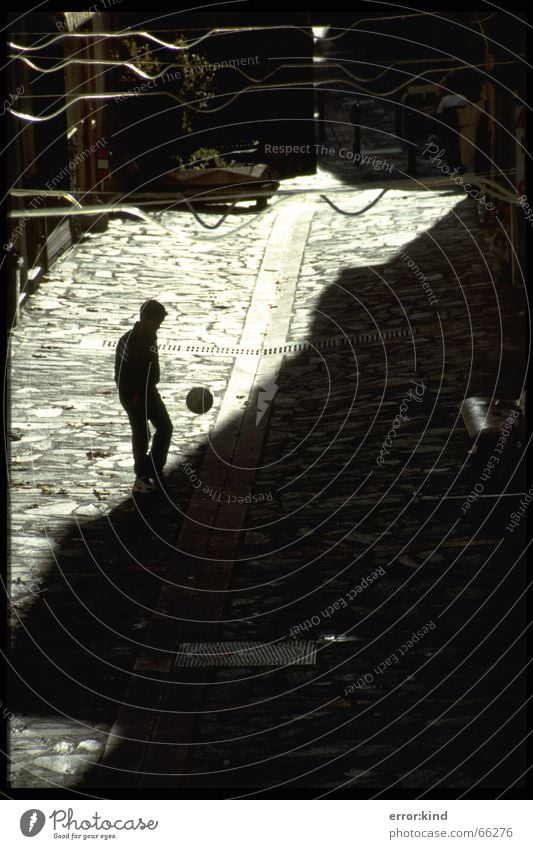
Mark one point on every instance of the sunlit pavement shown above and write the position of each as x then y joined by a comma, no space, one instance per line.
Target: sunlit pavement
345,330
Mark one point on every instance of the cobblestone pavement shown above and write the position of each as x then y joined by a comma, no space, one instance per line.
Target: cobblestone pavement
104,589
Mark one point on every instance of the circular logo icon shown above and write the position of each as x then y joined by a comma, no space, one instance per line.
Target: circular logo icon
32,822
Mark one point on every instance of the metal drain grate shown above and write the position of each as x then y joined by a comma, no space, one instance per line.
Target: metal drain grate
289,348
246,654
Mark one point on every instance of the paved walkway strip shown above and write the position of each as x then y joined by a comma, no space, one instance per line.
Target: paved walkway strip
138,742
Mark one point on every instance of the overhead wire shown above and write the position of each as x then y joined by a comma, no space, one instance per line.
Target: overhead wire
194,42
190,104
330,65
440,122
459,24
429,182
152,38
214,31
307,30
359,211
218,31
208,65
304,85
494,189
135,211
394,90
391,18
217,109
304,30
25,116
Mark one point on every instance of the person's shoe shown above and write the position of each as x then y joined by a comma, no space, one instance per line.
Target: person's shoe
162,486
159,481
142,485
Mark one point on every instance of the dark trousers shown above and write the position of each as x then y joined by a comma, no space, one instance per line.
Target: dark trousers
450,136
150,408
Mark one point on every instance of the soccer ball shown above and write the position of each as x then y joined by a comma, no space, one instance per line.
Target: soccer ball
199,400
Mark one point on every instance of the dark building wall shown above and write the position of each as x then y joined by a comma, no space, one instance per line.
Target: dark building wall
255,104
50,154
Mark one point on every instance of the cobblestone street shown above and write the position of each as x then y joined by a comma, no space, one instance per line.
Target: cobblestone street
317,320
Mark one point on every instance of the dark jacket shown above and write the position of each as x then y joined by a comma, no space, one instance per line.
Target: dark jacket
136,362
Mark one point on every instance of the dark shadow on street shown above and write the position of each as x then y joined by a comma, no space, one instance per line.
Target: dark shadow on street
334,516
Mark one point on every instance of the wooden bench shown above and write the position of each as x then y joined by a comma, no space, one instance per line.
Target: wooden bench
485,421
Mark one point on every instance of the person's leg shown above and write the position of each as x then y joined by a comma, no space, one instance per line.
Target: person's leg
158,415
140,435
450,136
355,117
468,120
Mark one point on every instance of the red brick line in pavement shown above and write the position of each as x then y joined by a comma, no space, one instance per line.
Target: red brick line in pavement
139,740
